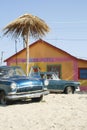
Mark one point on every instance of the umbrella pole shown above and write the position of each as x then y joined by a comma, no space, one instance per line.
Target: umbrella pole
27,56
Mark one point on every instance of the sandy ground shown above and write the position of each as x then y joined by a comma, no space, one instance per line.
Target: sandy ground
55,112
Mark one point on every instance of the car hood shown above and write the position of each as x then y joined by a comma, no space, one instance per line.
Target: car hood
25,81
25,84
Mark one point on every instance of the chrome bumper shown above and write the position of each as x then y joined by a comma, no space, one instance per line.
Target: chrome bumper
27,96
77,89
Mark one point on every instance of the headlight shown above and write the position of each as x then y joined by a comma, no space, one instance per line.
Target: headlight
13,86
46,82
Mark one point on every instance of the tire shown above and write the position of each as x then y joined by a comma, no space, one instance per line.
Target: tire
3,100
38,99
69,90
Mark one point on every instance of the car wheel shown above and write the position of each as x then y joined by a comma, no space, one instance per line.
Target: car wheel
69,90
3,100
38,99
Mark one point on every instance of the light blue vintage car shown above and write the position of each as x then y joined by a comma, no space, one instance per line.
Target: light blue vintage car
56,84
15,85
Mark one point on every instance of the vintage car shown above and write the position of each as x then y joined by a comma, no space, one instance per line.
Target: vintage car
15,85
56,84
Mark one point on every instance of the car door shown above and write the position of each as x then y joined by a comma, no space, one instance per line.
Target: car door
55,84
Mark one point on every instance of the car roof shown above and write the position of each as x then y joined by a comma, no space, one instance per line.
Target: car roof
7,67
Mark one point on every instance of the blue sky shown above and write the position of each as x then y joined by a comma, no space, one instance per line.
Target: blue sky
67,20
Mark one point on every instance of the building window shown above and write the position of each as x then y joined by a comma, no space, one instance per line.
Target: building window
54,68
82,73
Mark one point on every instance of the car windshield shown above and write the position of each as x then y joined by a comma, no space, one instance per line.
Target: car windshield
11,72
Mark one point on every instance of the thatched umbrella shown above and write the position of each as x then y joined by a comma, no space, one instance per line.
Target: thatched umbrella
27,26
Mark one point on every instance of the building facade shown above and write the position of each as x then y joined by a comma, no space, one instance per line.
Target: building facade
50,58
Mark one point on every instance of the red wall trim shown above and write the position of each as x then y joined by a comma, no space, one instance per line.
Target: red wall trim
42,60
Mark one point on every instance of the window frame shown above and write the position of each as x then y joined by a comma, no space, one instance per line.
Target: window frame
57,66
79,73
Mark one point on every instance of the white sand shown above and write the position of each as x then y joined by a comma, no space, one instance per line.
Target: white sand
55,112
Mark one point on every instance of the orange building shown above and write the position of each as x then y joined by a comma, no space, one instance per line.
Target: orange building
50,58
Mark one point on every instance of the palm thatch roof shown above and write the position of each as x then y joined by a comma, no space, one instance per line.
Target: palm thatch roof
27,24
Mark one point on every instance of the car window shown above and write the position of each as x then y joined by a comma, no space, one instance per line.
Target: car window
6,73
19,72
2,72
